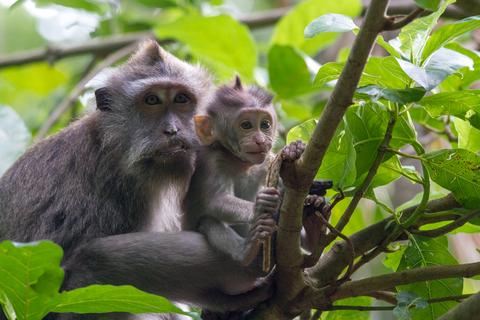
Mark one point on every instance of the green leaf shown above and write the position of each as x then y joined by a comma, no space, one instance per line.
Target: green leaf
402,96
380,71
290,29
31,277
159,3
384,72
391,170
468,136
456,103
338,164
428,4
106,298
392,260
368,124
449,32
329,23
223,55
423,252
440,65
288,72
405,301
350,314
14,137
457,170
328,72
413,37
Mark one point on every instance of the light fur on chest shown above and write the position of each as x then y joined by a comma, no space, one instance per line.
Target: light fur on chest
166,207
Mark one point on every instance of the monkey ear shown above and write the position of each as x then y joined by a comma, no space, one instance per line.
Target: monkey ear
103,99
204,129
237,83
148,53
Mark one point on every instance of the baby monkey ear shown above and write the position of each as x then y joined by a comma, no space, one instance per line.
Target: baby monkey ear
204,129
103,99
237,83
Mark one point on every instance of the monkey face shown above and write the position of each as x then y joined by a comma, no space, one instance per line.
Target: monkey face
255,133
147,108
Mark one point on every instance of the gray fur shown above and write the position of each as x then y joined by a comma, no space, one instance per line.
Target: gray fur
90,189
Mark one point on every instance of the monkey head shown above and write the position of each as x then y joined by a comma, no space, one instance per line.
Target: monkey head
146,107
242,120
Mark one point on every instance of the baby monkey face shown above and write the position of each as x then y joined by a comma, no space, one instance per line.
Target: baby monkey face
254,129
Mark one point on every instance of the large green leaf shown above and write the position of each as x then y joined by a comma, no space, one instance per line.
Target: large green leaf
380,71
232,50
428,4
31,277
290,29
423,252
401,96
14,137
451,103
440,65
338,164
368,124
449,32
288,72
414,36
329,23
468,136
106,298
457,170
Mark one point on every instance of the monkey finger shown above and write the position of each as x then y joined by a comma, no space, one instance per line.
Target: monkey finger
319,202
269,190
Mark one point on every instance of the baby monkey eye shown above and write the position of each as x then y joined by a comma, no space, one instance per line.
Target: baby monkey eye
152,99
246,125
181,98
265,125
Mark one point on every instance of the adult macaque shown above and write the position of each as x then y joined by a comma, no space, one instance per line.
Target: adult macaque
110,187
226,188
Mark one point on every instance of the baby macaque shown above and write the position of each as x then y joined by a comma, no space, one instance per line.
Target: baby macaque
226,201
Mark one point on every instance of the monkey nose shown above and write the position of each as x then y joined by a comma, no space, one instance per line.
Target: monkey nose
170,131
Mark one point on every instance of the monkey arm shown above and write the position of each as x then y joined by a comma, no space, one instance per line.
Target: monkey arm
181,266
230,209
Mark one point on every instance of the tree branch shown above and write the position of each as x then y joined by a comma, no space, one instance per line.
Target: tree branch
364,286
395,25
468,309
449,227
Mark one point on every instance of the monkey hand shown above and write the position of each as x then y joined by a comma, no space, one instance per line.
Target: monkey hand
312,223
293,151
263,225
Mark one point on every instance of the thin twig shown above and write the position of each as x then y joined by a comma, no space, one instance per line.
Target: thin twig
364,286
394,25
369,178
77,91
449,227
405,155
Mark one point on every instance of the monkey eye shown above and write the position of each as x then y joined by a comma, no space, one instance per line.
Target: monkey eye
152,99
246,125
181,98
265,125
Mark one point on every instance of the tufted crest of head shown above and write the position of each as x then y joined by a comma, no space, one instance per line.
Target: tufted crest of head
237,96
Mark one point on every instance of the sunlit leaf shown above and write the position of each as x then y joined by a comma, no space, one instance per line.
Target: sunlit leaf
106,298
414,36
405,302
233,49
350,314
441,64
449,32
402,96
288,72
290,29
457,170
451,103
329,23
468,136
